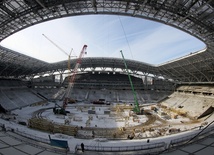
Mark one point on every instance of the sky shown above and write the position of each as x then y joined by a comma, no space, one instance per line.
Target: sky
105,35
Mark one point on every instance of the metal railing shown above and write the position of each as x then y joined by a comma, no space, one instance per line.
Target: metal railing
151,148
148,147
30,136
205,133
34,141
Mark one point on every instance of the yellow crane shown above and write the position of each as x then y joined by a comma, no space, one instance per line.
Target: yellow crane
69,55
71,78
62,109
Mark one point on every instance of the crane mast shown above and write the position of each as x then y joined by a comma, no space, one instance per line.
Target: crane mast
72,79
136,108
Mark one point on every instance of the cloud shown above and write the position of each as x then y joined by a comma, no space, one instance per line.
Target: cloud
162,45
105,36
31,41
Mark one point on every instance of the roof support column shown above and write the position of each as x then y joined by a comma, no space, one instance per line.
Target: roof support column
60,78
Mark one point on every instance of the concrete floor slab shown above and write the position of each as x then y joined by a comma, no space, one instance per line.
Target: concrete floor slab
48,153
28,149
2,134
11,151
206,151
192,148
3,145
10,141
177,152
207,141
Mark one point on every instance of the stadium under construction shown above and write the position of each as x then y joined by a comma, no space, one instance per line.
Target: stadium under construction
107,105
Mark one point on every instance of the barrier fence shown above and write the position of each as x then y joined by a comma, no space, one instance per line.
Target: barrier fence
149,147
179,141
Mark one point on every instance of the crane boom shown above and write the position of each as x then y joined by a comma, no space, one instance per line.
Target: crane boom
136,109
56,45
72,79
69,55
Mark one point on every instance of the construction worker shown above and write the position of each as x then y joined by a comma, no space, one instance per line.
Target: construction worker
82,147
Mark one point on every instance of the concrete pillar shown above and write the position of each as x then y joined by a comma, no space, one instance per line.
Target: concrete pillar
145,80
61,78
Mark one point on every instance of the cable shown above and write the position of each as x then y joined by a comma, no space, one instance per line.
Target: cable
192,137
199,132
125,37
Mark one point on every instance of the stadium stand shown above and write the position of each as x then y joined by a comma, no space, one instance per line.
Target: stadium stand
185,99
14,94
192,71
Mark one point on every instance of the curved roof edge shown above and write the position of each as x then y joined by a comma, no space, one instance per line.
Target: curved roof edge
197,67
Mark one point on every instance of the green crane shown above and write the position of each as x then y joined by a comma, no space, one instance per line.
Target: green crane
136,108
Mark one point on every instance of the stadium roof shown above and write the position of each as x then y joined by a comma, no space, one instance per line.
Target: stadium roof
192,16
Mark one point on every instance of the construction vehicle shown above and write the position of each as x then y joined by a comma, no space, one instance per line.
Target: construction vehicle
59,110
67,99
136,108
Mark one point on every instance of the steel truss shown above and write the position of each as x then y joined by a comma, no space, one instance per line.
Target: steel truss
192,16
